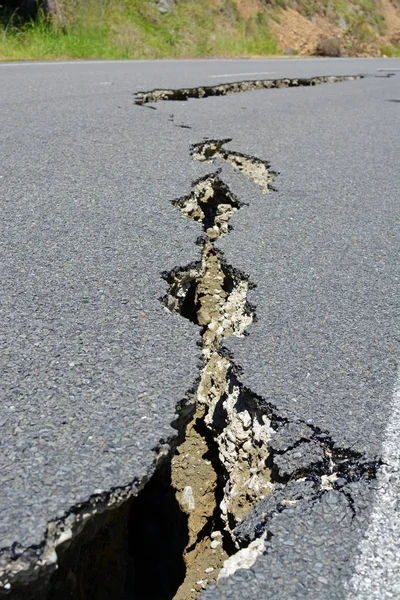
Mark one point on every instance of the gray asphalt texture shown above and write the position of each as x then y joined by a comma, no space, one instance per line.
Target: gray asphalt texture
93,367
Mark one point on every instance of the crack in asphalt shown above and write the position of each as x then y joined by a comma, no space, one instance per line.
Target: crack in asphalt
253,454
262,461
213,295
257,170
235,461
182,94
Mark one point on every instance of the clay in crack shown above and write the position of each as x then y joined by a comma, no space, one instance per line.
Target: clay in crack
216,492
253,168
253,450
237,461
212,204
142,98
242,434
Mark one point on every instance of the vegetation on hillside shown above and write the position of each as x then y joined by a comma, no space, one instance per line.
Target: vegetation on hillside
74,29
136,29
363,26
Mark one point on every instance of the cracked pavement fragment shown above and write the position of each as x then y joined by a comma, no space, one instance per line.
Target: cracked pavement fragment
142,98
255,169
263,459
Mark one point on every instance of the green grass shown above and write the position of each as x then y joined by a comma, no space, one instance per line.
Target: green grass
389,50
136,29
118,29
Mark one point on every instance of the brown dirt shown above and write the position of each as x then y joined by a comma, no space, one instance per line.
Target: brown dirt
249,8
297,34
391,12
191,467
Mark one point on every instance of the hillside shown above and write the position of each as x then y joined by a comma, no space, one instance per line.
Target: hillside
362,27
64,29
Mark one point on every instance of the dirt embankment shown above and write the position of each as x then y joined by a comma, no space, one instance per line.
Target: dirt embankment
352,28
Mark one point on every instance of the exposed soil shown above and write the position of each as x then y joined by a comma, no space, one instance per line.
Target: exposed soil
298,35
219,469
195,482
249,8
391,12
299,26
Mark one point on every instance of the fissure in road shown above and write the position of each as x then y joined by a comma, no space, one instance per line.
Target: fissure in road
229,460
223,89
204,511
219,470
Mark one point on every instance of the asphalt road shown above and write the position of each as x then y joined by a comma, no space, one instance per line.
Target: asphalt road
93,368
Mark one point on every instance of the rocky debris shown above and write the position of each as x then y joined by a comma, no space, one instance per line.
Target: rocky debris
244,558
219,470
165,6
329,47
255,169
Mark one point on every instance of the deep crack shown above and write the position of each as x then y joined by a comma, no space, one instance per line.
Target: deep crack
213,487
219,470
246,436
142,98
257,170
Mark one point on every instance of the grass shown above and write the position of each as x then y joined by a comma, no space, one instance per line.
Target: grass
115,29
389,50
118,29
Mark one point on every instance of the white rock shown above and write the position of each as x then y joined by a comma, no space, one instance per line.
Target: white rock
245,417
244,559
64,537
247,446
187,499
327,481
216,534
230,436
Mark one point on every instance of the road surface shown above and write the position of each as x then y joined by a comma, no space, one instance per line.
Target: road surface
94,367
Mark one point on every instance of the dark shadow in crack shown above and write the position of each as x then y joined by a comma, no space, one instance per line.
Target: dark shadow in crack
157,537
94,565
133,551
